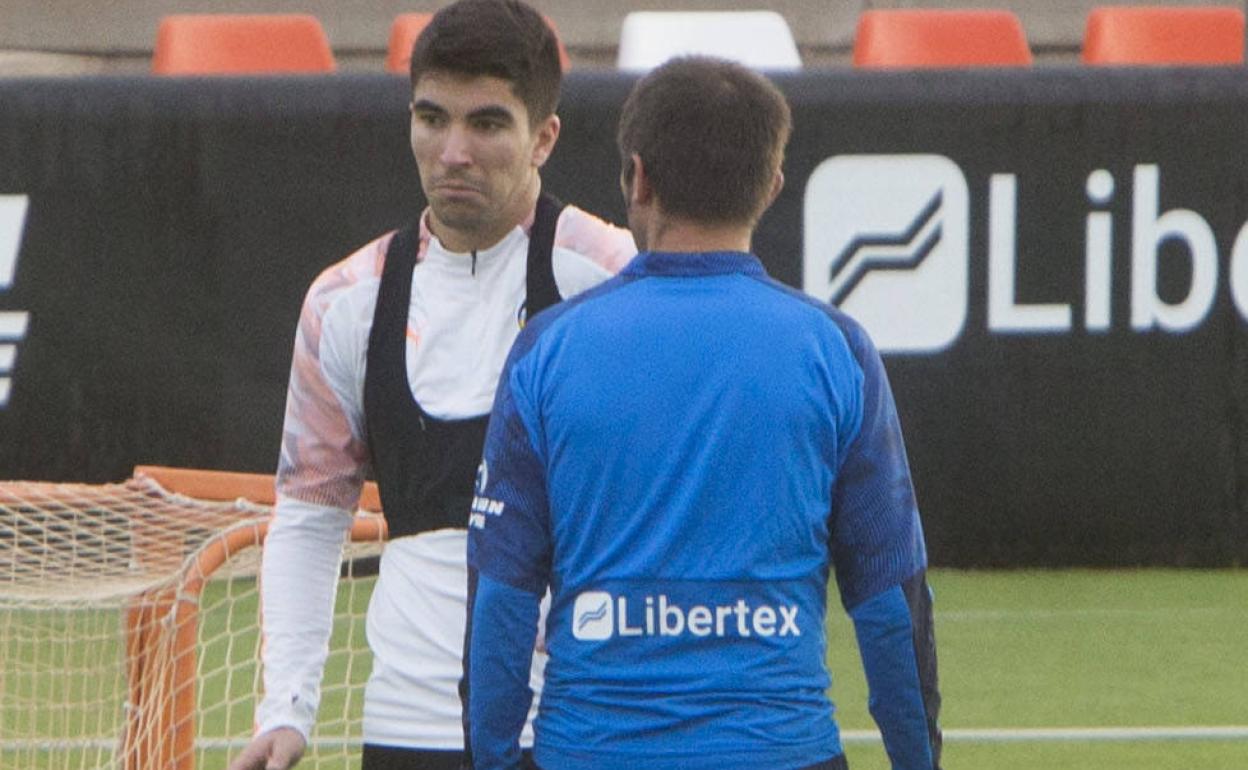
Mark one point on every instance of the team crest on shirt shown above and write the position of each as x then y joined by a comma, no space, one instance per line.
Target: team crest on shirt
483,506
483,477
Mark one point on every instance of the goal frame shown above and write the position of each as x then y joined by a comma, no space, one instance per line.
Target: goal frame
160,622
160,731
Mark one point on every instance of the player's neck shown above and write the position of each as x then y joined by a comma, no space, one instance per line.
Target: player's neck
678,235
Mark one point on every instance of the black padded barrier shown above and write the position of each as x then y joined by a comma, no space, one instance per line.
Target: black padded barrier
1052,260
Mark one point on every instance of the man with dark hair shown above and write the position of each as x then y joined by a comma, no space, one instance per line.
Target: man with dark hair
396,359
682,455
499,39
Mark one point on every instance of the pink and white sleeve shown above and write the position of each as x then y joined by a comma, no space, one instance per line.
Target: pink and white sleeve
606,245
320,473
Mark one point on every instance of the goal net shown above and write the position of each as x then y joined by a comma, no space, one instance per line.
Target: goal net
129,624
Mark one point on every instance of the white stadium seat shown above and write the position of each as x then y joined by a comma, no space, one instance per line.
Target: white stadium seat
758,39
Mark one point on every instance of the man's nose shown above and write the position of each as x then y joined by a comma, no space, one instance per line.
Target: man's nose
456,150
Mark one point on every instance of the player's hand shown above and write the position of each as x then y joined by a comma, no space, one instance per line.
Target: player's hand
278,749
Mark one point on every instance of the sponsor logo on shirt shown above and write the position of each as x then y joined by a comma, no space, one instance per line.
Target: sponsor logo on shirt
598,615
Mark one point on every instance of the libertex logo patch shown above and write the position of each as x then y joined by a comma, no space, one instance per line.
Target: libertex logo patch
598,615
886,242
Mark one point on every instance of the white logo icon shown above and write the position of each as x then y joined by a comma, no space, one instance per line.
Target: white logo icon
886,241
483,477
12,324
592,618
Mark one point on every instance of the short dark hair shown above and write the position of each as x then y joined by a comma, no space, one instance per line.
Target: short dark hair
506,39
711,135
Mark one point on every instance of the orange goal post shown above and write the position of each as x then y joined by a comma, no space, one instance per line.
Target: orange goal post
129,622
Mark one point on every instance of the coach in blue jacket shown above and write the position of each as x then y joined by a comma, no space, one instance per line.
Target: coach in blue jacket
682,456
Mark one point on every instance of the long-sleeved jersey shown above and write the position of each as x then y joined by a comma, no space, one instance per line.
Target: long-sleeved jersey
683,455
465,311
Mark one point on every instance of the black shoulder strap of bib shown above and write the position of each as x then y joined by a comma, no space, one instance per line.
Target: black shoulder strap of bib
540,290
394,293
385,375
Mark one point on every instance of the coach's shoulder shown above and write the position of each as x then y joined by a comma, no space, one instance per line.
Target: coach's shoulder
834,320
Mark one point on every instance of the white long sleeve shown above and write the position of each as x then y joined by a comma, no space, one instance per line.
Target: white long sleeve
299,578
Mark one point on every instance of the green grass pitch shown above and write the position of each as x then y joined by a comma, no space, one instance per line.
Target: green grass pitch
1019,650
1076,649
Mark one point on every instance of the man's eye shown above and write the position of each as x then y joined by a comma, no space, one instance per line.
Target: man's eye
489,125
431,119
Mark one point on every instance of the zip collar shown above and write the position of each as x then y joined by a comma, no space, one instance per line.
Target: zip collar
433,249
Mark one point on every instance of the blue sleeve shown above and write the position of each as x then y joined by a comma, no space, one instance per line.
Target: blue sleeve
898,649
880,560
876,538
509,526
504,630
509,567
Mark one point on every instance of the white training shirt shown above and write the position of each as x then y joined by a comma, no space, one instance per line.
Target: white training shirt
463,317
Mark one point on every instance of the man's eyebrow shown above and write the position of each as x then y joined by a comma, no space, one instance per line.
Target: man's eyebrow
493,111
424,105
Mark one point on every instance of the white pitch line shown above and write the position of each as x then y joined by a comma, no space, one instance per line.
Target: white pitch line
971,735
978,616
1072,734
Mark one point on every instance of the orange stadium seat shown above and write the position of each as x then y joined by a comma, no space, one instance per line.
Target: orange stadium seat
1164,35
241,44
408,26
403,33
916,38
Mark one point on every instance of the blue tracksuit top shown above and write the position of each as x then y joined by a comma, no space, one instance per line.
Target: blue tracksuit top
681,456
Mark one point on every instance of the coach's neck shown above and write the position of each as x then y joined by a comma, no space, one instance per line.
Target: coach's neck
673,234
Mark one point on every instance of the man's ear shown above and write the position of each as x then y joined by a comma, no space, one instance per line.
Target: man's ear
777,185
639,187
547,134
